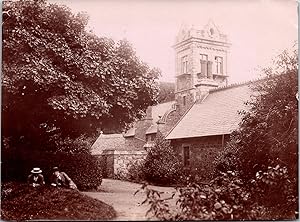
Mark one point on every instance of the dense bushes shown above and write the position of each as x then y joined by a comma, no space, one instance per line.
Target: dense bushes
84,169
226,197
161,166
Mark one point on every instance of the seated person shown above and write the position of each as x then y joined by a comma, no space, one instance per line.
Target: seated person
36,178
61,179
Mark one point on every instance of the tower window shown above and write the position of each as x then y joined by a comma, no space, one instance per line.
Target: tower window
184,64
219,64
186,155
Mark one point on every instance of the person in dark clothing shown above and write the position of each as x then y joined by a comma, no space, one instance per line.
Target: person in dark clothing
61,179
36,178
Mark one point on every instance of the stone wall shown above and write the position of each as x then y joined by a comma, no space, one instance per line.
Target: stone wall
203,151
118,162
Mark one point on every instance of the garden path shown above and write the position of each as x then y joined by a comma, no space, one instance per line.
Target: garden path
120,195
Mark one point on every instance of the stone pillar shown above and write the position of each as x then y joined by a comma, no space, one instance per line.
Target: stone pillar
203,68
209,70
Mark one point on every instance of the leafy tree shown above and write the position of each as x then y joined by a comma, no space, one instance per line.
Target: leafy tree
60,81
264,149
268,132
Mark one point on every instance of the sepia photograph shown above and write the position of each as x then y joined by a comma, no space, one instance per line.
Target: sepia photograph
140,110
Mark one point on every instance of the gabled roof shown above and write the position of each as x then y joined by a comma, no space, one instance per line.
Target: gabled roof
160,110
216,115
157,111
108,142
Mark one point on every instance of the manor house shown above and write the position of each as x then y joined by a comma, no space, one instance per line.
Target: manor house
202,117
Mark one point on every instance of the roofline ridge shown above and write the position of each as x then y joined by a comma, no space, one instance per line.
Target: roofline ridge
180,119
236,84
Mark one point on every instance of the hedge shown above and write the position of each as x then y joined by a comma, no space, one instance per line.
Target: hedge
84,169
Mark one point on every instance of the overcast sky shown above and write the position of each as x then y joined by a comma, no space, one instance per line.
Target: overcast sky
258,30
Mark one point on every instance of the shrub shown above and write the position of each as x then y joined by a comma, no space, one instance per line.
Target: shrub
223,198
135,172
162,166
84,169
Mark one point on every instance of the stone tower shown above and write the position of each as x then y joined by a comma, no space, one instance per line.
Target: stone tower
201,63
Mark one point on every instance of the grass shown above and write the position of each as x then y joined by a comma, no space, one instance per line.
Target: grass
22,202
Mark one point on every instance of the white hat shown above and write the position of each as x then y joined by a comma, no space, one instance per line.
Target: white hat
36,170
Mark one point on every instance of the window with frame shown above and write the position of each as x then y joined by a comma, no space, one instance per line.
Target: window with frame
184,100
184,64
186,156
219,64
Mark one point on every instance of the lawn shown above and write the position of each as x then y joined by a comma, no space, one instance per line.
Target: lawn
21,202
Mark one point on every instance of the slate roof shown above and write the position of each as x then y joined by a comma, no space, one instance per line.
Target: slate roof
216,115
157,111
108,142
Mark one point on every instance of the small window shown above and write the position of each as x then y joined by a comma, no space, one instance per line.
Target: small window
186,155
184,100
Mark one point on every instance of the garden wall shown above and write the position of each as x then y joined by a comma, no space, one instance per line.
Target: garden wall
117,163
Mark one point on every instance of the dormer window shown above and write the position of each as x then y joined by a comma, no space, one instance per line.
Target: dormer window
184,65
219,64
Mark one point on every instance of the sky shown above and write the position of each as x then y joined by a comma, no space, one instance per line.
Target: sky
258,30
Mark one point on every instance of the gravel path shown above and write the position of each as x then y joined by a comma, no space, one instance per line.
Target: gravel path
120,195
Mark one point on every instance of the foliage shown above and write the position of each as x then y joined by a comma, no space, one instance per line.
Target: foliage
262,140
223,198
166,92
162,165
59,79
274,190
83,169
20,202
264,149
135,172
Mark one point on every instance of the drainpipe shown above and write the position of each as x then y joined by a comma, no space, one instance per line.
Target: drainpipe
222,140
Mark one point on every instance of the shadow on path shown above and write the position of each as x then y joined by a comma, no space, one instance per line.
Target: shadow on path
120,195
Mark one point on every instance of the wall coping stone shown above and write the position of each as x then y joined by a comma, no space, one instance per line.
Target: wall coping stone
124,152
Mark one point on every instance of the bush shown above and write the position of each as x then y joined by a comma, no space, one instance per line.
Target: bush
162,166
223,198
135,172
83,169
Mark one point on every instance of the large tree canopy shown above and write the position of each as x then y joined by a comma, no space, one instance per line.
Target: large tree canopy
61,80
268,134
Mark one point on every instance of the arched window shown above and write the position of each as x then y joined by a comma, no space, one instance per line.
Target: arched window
184,65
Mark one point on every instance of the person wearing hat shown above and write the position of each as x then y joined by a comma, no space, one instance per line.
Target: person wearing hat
36,178
61,179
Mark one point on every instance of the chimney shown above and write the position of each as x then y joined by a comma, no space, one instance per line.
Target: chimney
149,113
